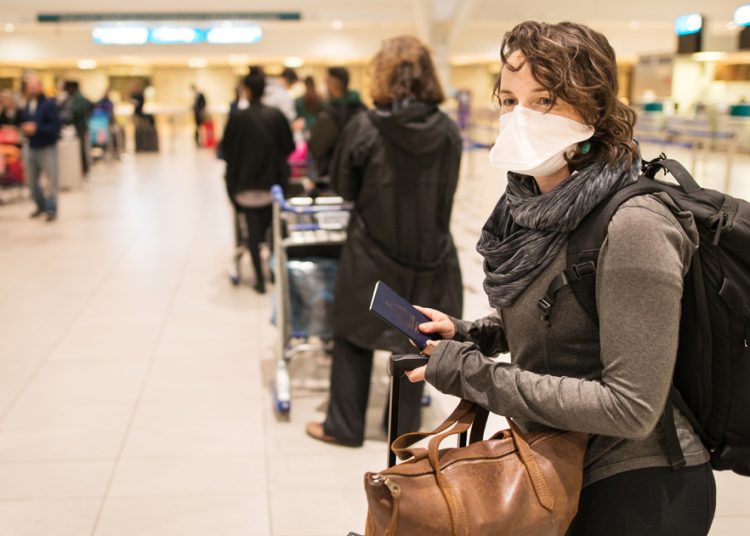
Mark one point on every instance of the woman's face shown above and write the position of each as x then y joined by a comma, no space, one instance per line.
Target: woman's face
520,87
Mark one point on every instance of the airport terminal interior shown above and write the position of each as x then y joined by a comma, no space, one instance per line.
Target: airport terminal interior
146,387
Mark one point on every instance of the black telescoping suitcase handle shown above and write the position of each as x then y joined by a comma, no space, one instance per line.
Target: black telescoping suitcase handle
398,365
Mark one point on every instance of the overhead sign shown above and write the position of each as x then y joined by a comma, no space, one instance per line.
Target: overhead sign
742,15
177,35
688,24
165,17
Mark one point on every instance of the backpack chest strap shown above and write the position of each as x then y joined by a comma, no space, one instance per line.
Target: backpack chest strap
570,276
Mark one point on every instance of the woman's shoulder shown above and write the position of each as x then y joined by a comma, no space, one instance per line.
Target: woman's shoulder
652,223
652,211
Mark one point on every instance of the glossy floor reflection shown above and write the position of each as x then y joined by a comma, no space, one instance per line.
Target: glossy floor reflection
134,380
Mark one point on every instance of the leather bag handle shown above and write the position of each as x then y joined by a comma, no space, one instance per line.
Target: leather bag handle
400,446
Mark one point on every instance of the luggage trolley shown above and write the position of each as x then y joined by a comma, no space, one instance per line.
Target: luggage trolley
305,230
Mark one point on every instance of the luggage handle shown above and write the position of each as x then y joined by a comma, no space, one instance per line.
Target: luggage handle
398,364
538,481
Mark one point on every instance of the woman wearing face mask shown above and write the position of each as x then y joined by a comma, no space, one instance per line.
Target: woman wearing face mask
567,143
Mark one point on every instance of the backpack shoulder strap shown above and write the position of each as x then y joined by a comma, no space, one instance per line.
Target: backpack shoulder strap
583,250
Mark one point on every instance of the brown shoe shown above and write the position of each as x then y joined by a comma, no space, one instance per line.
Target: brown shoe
316,431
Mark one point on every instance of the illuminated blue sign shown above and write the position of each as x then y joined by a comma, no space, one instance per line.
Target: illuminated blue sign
742,15
688,24
177,35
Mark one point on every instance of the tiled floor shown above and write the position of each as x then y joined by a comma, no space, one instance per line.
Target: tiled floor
134,380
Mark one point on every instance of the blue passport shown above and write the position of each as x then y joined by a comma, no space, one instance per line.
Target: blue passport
399,313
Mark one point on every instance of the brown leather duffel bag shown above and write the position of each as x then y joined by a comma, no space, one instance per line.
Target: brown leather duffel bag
511,483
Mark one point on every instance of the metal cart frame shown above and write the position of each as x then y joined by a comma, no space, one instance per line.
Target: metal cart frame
301,221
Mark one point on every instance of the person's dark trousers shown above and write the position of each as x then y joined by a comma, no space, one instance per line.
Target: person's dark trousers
82,141
350,389
258,222
198,124
656,501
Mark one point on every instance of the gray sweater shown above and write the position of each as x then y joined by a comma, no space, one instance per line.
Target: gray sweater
611,383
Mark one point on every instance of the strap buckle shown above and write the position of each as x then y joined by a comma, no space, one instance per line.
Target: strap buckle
545,305
583,269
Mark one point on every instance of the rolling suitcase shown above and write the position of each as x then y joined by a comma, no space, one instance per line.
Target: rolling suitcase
146,137
398,366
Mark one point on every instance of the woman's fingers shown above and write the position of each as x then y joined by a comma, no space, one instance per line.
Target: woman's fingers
416,375
431,327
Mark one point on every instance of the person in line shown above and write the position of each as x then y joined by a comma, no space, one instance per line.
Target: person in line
199,112
309,105
40,122
106,107
399,163
138,99
78,110
568,143
10,115
256,144
279,94
343,104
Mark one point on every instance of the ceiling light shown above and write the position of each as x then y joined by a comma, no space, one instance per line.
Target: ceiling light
197,63
9,27
87,64
294,62
174,35
234,35
742,15
337,24
688,24
238,59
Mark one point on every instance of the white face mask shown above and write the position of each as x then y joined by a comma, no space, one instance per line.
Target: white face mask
535,143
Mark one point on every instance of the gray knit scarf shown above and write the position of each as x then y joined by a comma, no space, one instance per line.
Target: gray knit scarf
527,229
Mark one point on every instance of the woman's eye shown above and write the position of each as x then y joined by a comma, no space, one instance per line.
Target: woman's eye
544,101
509,102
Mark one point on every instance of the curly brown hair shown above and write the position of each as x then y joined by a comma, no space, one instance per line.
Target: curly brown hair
403,70
577,64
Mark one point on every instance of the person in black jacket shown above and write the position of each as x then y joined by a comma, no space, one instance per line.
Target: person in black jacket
343,104
199,112
256,144
40,122
399,163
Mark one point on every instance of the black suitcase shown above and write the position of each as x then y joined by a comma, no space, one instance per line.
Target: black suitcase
398,365
146,138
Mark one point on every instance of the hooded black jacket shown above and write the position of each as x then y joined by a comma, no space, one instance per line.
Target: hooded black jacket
401,170
256,144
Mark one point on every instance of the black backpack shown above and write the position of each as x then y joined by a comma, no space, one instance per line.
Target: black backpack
711,384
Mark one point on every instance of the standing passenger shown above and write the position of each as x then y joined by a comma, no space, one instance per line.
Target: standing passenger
199,112
568,143
40,122
343,104
309,105
256,144
399,164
